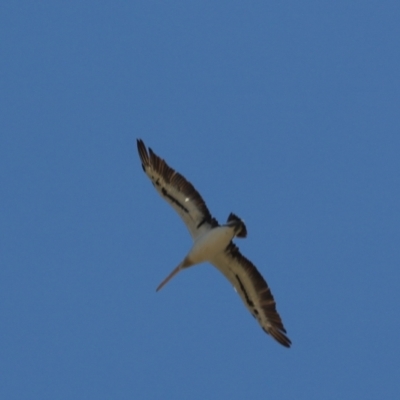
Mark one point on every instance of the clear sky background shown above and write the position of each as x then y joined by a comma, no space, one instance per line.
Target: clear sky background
286,113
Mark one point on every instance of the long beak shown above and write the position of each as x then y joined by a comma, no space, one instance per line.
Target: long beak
170,276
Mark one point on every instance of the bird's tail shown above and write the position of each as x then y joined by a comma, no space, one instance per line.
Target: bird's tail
242,231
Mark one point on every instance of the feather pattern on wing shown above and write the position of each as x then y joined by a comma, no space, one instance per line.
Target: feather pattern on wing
253,290
177,191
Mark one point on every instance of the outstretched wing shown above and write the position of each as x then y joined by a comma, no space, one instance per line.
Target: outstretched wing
177,191
254,291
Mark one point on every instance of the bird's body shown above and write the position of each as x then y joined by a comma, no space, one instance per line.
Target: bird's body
208,245
213,243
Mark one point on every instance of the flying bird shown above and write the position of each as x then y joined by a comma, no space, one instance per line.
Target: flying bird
213,243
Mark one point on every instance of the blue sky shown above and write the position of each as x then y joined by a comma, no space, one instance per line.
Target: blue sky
285,113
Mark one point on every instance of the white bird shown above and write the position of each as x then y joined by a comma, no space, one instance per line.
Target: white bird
213,243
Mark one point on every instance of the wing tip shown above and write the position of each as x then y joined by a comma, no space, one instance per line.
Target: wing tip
284,341
140,144
142,150
279,336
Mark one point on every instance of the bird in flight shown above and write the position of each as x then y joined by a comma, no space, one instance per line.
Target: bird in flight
213,243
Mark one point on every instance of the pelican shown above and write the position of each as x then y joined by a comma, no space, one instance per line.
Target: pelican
213,243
